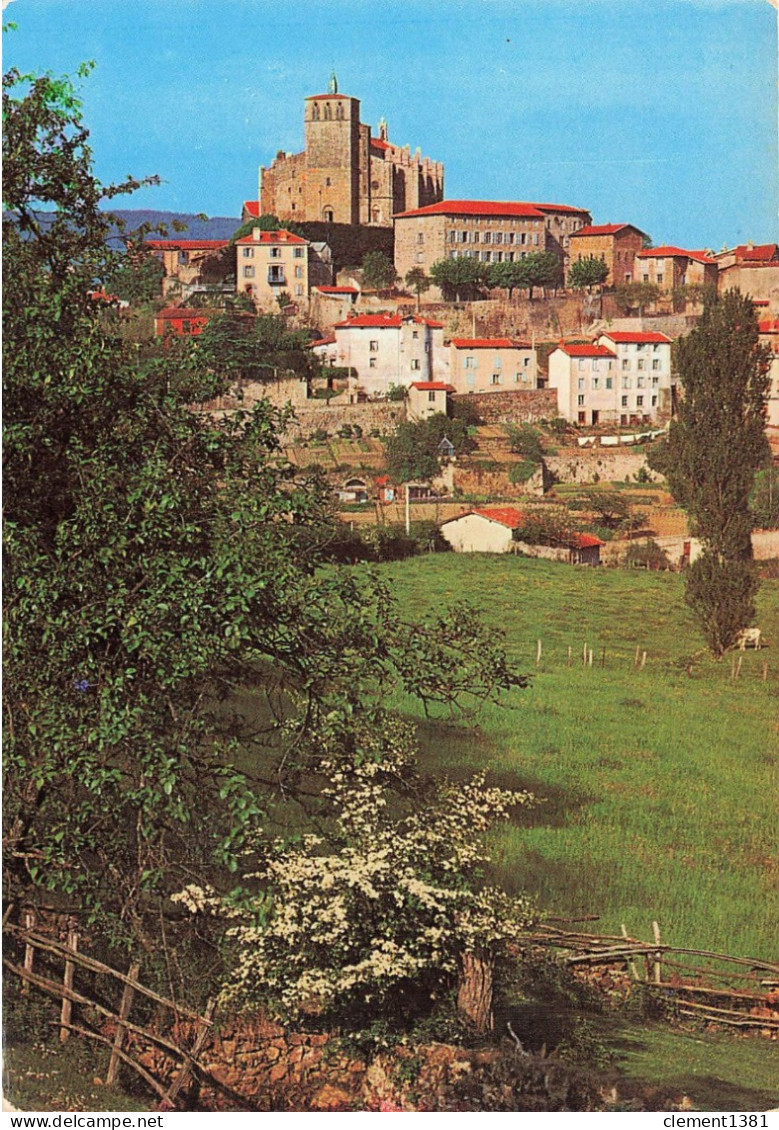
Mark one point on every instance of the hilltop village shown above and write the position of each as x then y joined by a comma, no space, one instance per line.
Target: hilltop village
504,315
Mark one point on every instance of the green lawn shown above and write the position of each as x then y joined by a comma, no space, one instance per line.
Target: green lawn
659,786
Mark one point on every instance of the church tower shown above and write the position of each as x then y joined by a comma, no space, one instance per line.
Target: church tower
333,156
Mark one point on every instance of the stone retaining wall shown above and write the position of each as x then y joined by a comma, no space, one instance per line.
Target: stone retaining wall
525,406
600,465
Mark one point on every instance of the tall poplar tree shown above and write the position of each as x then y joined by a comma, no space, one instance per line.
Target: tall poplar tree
715,446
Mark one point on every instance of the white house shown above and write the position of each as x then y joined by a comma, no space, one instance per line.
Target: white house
487,530
428,398
622,378
386,349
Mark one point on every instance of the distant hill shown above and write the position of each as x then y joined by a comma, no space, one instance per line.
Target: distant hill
214,227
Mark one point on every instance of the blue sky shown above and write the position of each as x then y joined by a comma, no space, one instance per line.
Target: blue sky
660,113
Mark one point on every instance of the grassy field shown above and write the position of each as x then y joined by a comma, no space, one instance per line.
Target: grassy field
658,785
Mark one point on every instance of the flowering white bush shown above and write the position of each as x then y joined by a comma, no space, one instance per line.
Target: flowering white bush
386,903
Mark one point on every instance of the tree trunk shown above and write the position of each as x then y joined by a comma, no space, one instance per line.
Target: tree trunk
474,991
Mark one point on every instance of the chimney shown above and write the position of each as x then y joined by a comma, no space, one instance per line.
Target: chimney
256,235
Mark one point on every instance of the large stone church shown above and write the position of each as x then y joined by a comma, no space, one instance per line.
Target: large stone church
344,175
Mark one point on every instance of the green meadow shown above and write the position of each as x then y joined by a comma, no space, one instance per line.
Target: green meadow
656,783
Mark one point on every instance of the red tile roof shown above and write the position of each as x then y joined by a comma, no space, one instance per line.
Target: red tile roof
322,341
604,229
769,327
432,386
574,350
337,289
280,236
584,541
504,515
622,338
762,253
181,312
380,143
562,208
674,252
186,244
319,97
489,343
252,207
386,321
475,208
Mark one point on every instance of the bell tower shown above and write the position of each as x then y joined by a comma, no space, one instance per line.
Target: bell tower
332,133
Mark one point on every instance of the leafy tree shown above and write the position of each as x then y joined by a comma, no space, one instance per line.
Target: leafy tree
412,452
509,276
587,272
611,508
378,271
418,281
636,295
525,440
458,277
714,448
159,562
261,348
550,526
544,269
138,277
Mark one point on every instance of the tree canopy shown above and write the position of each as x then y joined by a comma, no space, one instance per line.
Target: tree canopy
587,272
378,271
459,278
715,446
412,452
161,572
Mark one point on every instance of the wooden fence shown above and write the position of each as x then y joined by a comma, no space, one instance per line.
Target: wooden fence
741,992
38,943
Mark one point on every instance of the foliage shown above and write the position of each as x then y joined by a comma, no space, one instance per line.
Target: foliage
261,348
412,452
611,508
397,393
714,448
551,526
764,499
521,472
525,440
371,916
636,295
417,280
647,554
378,271
587,272
157,562
458,278
510,276
699,293
138,278
545,270
265,222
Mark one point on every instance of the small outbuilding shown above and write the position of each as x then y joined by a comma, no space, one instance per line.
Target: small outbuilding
486,530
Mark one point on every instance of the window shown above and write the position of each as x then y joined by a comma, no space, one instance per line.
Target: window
248,272
420,256
248,252
509,256
626,382
420,237
183,258
470,362
328,182
580,383
535,239
498,237
371,362
298,290
463,237
625,363
655,363
496,378
582,417
485,256
470,379
522,237
654,402
655,382
475,237
452,236
640,347
431,396
640,363
594,384
580,401
639,402
373,346
640,382
497,256
487,237
624,402
660,279
415,364
510,237
526,362
298,272
623,419
609,382
299,252
415,334
275,252
646,278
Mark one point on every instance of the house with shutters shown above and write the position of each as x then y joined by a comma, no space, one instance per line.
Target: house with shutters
621,378
270,264
673,268
494,364
617,245
385,350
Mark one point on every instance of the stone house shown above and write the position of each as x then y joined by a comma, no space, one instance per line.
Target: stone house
269,264
754,270
344,175
185,261
497,364
671,268
487,230
386,349
615,244
622,378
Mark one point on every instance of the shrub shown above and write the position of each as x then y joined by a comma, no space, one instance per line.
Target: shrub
525,440
521,472
647,554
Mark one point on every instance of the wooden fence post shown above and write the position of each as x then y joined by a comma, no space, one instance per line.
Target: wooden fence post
28,919
570,655
67,981
538,654
186,1068
124,1011
631,964
656,967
